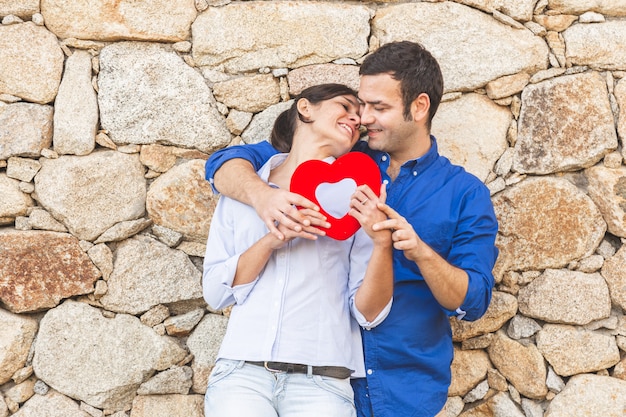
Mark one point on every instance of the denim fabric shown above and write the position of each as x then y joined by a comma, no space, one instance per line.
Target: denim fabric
239,389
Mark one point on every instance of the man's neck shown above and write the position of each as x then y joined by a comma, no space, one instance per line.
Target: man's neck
396,160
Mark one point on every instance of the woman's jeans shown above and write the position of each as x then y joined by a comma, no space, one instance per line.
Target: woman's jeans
238,389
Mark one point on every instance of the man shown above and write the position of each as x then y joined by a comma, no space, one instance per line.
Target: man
443,225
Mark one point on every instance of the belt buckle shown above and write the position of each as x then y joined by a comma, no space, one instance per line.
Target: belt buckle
270,369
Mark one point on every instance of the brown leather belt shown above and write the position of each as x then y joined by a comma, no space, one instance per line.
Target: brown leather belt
296,368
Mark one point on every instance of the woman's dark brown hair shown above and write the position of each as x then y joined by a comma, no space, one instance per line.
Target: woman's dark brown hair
285,124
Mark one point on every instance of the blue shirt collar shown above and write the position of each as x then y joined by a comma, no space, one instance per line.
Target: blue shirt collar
417,165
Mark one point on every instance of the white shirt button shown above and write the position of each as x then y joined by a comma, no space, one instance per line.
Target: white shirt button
386,181
384,158
369,372
415,173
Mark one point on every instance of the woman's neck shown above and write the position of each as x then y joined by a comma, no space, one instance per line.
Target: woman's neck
281,175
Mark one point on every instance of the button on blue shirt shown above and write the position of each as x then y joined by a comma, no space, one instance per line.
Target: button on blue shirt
408,356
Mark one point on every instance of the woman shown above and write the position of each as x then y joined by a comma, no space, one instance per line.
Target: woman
293,339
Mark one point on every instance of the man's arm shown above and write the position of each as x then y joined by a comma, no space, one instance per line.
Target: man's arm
232,171
463,280
257,154
238,180
447,283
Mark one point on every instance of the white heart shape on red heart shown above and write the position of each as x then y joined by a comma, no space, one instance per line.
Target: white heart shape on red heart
356,167
335,197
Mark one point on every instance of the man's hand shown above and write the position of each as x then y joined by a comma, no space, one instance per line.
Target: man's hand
402,233
277,206
364,207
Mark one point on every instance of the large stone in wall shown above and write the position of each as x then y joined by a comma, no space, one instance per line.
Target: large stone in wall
607,188
620,96
89,194
148,94
546,223
204,344
303,77
471,132
76,108
20,8
571,350
250,94
567,297
232,38
17,333
598,45
521,10
522,365
182,200
614,271
32,62
176,380
156,20
466,65
261,125
101,361
53,404
168,405
469,367
25,129
517,9
589,395
14,202
577,7
565,124
502,307
38,269
499,405
147,273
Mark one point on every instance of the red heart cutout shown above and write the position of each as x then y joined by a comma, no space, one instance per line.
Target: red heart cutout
318,180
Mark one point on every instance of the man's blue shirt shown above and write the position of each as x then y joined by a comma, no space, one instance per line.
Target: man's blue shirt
408,356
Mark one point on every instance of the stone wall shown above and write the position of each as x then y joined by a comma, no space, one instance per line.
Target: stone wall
108,111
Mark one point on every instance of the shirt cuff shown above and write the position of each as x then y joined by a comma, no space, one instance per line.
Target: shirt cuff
215,192
368,325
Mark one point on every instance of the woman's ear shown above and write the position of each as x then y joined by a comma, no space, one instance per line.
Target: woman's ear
304,109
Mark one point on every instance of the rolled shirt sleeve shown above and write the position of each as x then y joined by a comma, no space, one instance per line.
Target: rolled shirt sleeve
474,251
359,260
257,154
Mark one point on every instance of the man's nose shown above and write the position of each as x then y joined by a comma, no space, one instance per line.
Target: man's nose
366,116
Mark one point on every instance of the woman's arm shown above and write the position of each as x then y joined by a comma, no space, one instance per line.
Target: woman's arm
375,292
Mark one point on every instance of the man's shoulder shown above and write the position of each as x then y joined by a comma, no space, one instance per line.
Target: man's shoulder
457,174
361,146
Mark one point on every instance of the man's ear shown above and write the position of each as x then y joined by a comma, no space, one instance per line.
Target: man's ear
420,108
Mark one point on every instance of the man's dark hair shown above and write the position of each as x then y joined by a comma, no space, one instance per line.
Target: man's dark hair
285,124
416,69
